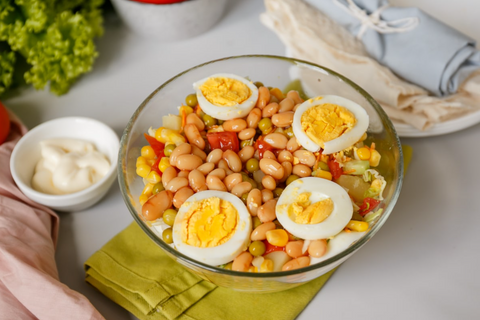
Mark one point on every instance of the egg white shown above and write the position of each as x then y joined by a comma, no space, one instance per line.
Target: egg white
222,112
225,252
320,189
345,140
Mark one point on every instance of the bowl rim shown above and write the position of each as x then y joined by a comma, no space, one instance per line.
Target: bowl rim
265,275
45,197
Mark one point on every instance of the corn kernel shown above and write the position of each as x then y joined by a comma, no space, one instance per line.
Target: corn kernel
187,110
277,93
277,237
363,153
164,164
153,177
253,269
176,138
374,158
147,152
266,266
147,190
142,199
376,184
323,174
151,162
159,136
141,160
143,170
358,226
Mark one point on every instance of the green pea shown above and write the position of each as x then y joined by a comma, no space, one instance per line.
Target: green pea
258,84
278,224
169,216
256,222
244,197
228,266
252,165
191,100
257,248
167,235
265,125
209,121
277,192
322,165
289,132
169,149
292,178
220,122
158,187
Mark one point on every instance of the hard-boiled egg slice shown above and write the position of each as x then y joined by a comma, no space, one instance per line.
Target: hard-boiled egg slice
314,208
226,96
212,227
329,122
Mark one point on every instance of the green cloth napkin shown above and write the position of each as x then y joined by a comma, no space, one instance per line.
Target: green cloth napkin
135,273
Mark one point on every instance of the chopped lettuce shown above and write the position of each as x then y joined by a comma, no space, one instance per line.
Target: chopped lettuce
54,37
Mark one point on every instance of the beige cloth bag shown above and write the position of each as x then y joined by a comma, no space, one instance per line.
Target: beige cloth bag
312,36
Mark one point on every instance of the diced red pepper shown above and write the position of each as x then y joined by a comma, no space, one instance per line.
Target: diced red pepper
157,146
335,169
262,146
368,205
271,248
155,166
223,140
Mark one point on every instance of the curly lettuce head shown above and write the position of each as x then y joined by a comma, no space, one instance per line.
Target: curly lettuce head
56,38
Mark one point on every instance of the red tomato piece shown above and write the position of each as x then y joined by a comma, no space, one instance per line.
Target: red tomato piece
4,123
368,205
223,140
157,146
271,248
155,166
262,146
335,169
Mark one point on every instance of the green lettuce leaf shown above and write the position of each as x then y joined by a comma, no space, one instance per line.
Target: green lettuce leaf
56,39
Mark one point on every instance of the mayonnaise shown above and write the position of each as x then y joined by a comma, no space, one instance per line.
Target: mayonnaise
67,166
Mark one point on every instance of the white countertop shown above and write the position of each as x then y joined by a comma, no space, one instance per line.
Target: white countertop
423,264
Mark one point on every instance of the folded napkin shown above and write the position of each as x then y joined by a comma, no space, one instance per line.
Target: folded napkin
136,274
413,44
29,283
312,35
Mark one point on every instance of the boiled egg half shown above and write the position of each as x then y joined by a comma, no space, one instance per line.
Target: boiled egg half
212,227
226,96
329,122
314,208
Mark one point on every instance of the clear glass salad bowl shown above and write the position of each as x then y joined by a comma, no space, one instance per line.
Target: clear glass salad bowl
276,72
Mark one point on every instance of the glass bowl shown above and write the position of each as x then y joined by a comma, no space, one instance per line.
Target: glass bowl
276,72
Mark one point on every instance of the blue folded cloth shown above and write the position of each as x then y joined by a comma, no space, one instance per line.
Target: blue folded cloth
414,45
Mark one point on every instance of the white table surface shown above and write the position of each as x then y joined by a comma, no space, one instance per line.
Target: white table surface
423,264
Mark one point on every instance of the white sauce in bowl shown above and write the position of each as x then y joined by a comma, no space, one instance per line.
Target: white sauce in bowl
68,166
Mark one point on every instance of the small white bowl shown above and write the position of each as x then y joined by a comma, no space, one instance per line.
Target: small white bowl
27,153
168,22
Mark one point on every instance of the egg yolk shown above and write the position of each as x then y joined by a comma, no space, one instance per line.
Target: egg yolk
209,223
302,211
225,92
326,122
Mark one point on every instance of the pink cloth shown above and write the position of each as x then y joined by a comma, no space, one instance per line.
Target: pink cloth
29,284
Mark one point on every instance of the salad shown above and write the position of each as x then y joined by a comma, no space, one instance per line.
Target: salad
255,179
